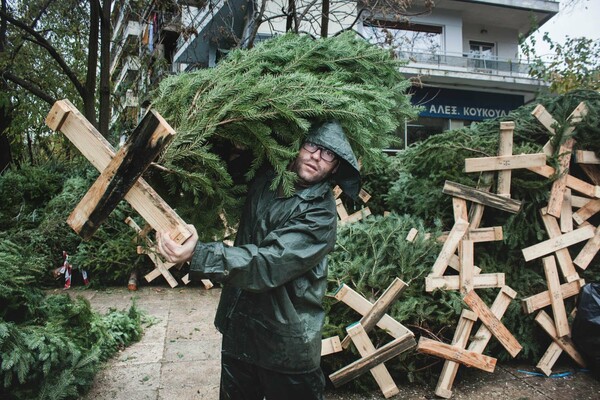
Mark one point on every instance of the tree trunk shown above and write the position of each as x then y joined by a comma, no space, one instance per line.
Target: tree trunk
324,18
105,37
89,97
291,11
6,107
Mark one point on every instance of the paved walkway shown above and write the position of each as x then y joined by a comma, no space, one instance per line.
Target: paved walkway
178,358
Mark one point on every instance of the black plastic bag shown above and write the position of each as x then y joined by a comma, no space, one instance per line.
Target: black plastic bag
586,326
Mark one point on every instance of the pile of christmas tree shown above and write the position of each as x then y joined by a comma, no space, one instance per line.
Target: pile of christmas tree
261,103
370,254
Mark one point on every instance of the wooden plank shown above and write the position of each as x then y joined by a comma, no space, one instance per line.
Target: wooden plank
560,242
452,282
155,273
454,263
364,196
131,222
487,234
412,234
549,358
357,216
133,158
460,339
586,157
499,307
566,213
589,251
330,345
557,193
590,209
362,306
478,235
365,348
163,269
459,206
456,354
337,191
563,256
478,344
546,119
381,355
504,163
161,266
449,248
556,298
476,210
479,196
565,342
574,183
497,328
505,148
579,201
543,299
341,210
152,208
378,310
466,256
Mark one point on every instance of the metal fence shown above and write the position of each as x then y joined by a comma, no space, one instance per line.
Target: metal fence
468,61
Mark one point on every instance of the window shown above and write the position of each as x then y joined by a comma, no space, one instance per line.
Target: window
481,55
408,40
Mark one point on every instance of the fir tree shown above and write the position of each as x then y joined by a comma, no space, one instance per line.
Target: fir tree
263,101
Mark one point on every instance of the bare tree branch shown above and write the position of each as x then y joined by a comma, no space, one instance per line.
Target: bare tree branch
29,86
49,48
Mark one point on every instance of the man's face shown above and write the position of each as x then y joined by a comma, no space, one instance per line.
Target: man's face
311,168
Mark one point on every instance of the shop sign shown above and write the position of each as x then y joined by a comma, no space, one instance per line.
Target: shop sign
464,104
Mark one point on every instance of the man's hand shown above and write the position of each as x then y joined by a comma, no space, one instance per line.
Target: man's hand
174,252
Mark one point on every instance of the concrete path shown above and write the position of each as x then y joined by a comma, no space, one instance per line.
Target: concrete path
179,358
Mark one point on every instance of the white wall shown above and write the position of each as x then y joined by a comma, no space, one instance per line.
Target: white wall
452,25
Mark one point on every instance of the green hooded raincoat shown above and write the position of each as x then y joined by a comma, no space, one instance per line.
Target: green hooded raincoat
275,277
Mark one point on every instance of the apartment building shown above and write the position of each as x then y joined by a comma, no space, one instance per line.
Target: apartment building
464,54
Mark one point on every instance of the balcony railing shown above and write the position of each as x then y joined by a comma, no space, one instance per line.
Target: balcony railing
467,61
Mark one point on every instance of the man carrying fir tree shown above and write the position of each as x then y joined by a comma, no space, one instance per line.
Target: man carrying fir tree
275,276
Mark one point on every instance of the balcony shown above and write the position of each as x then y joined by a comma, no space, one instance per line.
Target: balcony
131,34
129,71
467,62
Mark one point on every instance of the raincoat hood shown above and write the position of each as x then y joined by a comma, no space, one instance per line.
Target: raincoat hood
331,136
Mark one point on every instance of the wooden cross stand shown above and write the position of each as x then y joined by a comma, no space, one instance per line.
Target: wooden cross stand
120,172
374,314
558,219
343,215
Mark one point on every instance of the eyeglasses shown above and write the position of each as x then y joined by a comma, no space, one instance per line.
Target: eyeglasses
326,154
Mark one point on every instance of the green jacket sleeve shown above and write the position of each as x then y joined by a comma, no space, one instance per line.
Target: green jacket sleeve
285,253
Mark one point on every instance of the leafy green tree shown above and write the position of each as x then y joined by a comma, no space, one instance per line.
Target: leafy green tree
52,50
574,64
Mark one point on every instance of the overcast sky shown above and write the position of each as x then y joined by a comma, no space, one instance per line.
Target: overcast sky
582,18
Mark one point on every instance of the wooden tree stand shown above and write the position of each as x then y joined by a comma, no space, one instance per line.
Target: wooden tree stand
343,216
462,238
372,359
161,267
120,174
558,218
